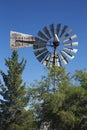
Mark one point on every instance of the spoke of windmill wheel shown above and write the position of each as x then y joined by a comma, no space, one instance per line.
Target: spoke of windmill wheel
43,36
70,39
67,55
67,34
71,44
42,56
65,61
63,30
39,51
71,49
52,29
46,31
58,29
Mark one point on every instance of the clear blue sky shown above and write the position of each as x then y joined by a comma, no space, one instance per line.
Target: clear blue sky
29,16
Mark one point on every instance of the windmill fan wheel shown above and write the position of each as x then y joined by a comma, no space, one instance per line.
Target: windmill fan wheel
55,45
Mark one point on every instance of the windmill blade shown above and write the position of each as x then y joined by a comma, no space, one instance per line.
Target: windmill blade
58,29
43,36
20,40
67,34
45,29
63,30
52,29
57,61
71,44
65,61
39,51
51,60
39,40
67,55
42,56
39,43
47,59
70,49
70,39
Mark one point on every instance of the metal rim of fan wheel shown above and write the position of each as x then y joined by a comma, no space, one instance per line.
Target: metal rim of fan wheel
55,45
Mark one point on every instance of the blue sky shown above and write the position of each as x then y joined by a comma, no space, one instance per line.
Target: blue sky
29,16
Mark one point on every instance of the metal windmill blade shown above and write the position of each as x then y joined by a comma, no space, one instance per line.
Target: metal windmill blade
63,30
70,39
71,44
47,59
39,51
42,56
52,29
70,49
57,60
43,36
68,55
54,60
63,59
58,29
46,31
67,34
39,43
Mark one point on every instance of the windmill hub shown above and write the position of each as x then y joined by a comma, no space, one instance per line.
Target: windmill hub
56,41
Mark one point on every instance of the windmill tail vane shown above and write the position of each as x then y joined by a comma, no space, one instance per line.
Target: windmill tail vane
20,40
53,46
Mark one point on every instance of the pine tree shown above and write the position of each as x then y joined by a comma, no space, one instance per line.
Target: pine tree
14,95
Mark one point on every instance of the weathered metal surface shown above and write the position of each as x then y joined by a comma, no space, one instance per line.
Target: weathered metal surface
20,40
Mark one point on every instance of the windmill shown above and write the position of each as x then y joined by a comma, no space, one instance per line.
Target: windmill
53,45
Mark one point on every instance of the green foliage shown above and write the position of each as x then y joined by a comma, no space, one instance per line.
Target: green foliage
57,77
81,77
15,97
65,108
25,121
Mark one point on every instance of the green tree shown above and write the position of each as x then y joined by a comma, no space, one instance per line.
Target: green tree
15,97
66,107
56,80
81,78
